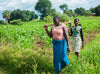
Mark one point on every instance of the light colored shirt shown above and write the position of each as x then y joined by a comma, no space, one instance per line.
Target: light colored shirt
58,31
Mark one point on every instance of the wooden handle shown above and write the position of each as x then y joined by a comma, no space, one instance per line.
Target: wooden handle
47,25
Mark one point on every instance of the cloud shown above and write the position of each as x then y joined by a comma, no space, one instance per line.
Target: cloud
72,4
28,1
30,4
16,4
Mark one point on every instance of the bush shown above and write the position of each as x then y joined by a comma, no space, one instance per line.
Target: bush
48,19
16,22
2,22
64,18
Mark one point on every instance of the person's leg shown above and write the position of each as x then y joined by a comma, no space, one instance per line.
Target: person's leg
57,67
59,72
77,54
63,64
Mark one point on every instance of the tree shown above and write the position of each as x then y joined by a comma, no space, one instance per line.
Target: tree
88,13
43,6
97,10
63,7
70,13
6,15
92,10
52,12
80,11
17,14
33,16
24,15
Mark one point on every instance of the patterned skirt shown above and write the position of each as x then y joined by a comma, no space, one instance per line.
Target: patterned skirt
76,44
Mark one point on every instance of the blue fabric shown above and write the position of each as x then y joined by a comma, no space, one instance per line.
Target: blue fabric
60,59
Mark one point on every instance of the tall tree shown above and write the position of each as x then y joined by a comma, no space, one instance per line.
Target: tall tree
6,15
88,13
43,6
63,7
24,15
80,11
52,12
97,10
33,16
70,13
92,10
17,14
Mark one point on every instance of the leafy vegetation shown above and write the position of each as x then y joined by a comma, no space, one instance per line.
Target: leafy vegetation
2,22
48,19
64,7
24,15
43,6
6,15
28,49
16,22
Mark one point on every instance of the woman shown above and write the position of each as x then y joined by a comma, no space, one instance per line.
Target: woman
77,36
60,42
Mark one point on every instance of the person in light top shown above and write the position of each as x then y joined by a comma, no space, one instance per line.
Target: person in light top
60,40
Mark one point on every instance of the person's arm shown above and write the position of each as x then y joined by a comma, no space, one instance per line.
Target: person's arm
67,22
66,37
49,33
69,27
81,32
70,32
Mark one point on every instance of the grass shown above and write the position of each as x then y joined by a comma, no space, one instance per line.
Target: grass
26,49
89,60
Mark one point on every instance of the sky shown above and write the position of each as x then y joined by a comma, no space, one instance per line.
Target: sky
30,4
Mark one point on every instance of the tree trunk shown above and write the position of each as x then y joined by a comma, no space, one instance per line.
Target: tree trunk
6,21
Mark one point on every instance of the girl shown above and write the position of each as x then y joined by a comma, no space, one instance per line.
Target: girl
60,42
77,36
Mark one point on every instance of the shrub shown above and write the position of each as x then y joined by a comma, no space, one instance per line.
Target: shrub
48,19
64,18
2,22
16,22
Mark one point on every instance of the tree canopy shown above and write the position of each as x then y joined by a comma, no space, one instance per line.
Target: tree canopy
88,13
6,15
43,6
24,15
80,11
63,7
92,10
97,10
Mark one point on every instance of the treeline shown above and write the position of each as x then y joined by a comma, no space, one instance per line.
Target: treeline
24,15
44,7
15,15
46,12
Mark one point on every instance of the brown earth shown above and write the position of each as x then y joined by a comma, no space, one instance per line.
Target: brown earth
90,36
87,39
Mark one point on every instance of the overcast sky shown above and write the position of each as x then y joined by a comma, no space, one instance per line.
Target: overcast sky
30,4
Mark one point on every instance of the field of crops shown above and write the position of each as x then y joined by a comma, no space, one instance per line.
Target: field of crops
27,49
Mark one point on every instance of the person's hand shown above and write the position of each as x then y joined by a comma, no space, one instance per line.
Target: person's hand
69,22
45,27
82,44
68,49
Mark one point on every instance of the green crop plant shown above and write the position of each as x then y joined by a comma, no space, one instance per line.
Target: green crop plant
28,49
